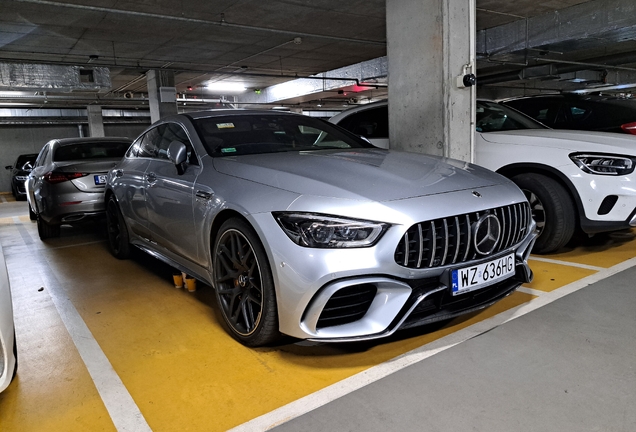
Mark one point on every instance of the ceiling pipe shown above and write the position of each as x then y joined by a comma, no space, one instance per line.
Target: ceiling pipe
604,62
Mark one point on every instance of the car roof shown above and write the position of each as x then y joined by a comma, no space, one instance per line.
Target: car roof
356,109
229,111
88,140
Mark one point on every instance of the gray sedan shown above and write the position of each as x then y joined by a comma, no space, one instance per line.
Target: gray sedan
67,182
307,230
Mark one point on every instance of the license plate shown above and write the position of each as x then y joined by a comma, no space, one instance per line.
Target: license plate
100,179
481,275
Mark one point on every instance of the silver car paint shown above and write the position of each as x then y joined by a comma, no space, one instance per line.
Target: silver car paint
366,184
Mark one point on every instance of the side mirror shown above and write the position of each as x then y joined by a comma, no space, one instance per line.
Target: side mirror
9,167
177,153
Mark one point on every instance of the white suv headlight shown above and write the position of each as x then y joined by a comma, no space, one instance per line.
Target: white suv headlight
325,231
604,164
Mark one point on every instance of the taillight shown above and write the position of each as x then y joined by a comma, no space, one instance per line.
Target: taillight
630,128
54,177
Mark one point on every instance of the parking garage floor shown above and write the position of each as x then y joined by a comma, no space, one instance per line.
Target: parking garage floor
105,344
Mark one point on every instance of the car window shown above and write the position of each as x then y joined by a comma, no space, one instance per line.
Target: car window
369,123
175,132
42,156
579,112
544,109
493,117
235,135
90,150
147,146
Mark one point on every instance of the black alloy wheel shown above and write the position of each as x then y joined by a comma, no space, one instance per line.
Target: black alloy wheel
118,240
552,209
244,285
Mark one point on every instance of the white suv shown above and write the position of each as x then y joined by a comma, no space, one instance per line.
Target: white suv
572,179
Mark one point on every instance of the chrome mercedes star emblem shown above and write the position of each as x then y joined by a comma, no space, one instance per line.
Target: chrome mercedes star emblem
487,233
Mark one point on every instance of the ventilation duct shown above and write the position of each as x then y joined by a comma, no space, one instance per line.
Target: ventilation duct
64,79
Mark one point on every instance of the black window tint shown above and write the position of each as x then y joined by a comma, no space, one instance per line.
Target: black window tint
133,151
546,110
93,150
148,143
241,134
493,117
371,123
42,156
174,132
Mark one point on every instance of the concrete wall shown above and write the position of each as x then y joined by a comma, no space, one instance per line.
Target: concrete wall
21,139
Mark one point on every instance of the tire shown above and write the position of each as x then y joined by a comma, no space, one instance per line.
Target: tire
552,209
244,285
15,354
32,215
118,239
46,230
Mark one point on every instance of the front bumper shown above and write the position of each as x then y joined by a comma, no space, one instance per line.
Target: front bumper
606,203
383,295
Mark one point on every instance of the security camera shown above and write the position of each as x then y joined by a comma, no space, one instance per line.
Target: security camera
467,80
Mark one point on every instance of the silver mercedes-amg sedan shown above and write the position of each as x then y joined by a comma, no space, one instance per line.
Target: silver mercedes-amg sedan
306,230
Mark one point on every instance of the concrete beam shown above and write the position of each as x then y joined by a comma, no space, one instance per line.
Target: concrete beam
348,76
577,26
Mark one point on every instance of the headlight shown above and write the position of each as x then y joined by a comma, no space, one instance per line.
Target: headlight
21,178
604,164
324,231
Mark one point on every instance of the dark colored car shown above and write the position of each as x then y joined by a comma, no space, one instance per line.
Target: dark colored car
68,180
580,112
19,173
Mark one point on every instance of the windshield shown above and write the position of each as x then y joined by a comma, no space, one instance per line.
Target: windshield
492,117
96,150
242,134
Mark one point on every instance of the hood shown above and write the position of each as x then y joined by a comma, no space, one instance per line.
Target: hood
362,174
572,140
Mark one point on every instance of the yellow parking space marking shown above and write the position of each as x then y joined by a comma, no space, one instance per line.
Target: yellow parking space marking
52,391
348,385
179,364
549,276
184,371
612,250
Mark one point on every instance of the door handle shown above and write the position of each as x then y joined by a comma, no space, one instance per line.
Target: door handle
203,195
151,177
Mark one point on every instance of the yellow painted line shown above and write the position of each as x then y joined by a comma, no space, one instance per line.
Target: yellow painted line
331,393
549,276
610,250
180,365
566,263
52,390
181,368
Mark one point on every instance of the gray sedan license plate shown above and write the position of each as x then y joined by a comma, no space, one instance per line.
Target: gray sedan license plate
481,275
100,179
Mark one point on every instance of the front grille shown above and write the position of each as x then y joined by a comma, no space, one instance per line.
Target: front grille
450,240
347,305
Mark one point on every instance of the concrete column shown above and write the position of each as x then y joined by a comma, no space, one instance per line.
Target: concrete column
95,121
162,94
429,44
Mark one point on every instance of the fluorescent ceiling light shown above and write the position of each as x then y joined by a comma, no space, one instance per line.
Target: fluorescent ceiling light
226,87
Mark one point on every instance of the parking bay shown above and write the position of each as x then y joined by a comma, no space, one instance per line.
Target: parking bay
168,349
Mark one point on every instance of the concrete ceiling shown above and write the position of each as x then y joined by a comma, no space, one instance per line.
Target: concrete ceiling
263,43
